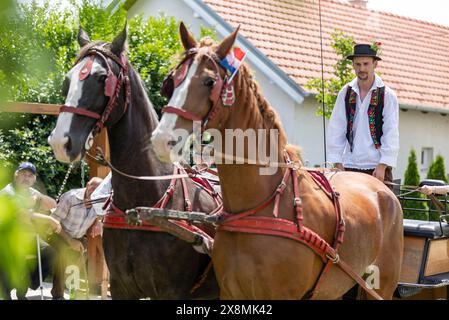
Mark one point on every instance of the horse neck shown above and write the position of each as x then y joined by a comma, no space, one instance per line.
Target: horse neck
241,181
130,152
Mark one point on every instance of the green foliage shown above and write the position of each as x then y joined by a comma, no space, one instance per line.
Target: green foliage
411,178
38,47
437,169
28,143
15,242
343,46
206,32
153,43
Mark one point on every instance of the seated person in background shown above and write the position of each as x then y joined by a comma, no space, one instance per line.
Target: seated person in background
96,260
22,187
32,201
76,216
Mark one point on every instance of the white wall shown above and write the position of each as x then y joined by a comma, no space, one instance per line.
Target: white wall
174,8
309,132
418,130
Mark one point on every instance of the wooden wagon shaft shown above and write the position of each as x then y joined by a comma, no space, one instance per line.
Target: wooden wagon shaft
148,214
159,219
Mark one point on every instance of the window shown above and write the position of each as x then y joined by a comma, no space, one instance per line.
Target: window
426,158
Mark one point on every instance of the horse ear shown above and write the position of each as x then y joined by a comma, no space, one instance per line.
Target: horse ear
83,37
118,44
226,44
188,41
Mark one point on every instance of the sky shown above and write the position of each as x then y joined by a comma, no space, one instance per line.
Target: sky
436,11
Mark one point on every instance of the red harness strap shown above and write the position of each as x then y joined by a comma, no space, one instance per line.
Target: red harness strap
182,113
295,230
82,112
115,218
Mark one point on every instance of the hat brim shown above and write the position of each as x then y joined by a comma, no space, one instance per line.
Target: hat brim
352,56
26,169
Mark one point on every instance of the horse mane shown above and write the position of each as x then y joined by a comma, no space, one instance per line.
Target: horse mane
295,153
258,107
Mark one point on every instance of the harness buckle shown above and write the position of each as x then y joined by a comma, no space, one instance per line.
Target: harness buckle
281,187
335,259
297,202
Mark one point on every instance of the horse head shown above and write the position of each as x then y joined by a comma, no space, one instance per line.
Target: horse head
97,93
196,91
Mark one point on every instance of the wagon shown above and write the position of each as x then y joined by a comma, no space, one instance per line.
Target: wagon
425,266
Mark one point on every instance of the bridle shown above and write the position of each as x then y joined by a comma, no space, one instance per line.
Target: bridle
178,75
112,86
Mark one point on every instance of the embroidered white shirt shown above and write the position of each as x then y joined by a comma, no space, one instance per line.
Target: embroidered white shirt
364,154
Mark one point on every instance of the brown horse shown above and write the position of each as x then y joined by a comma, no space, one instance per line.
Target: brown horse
261,266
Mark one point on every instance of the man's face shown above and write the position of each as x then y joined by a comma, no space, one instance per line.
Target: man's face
24,178
364,67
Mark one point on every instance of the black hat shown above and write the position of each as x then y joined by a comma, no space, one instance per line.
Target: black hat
363,50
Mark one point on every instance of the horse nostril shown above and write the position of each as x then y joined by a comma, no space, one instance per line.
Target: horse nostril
68,144
172,143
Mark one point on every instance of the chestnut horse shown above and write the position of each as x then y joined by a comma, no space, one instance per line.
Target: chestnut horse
142,263
263,265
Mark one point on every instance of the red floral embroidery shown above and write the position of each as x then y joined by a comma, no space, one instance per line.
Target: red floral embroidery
371,116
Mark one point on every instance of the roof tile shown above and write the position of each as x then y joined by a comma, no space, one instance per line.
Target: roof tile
287,32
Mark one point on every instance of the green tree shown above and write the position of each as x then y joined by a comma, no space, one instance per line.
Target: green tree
342,74
437,169
14,244
411,178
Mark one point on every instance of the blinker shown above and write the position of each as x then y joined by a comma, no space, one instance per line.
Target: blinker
87,68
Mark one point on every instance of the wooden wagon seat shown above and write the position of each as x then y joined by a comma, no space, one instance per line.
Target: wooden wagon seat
427,229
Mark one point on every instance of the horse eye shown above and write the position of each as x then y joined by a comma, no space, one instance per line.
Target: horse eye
102,78
209,82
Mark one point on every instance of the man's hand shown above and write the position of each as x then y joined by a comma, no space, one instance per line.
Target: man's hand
46,224
76,245
379,172
339,166
97,229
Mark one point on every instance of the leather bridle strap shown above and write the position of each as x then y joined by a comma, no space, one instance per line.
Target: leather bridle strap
82,112
113,85
182,113
215,96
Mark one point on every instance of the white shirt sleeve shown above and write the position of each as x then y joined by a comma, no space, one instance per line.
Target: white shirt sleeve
390,131
103,190
336,134
63,207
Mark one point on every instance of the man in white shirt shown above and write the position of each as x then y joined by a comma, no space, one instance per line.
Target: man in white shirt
363,133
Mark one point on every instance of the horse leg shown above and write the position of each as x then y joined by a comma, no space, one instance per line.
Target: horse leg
389,260
119,290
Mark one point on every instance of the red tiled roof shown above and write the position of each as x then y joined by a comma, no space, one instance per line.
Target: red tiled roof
415,53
